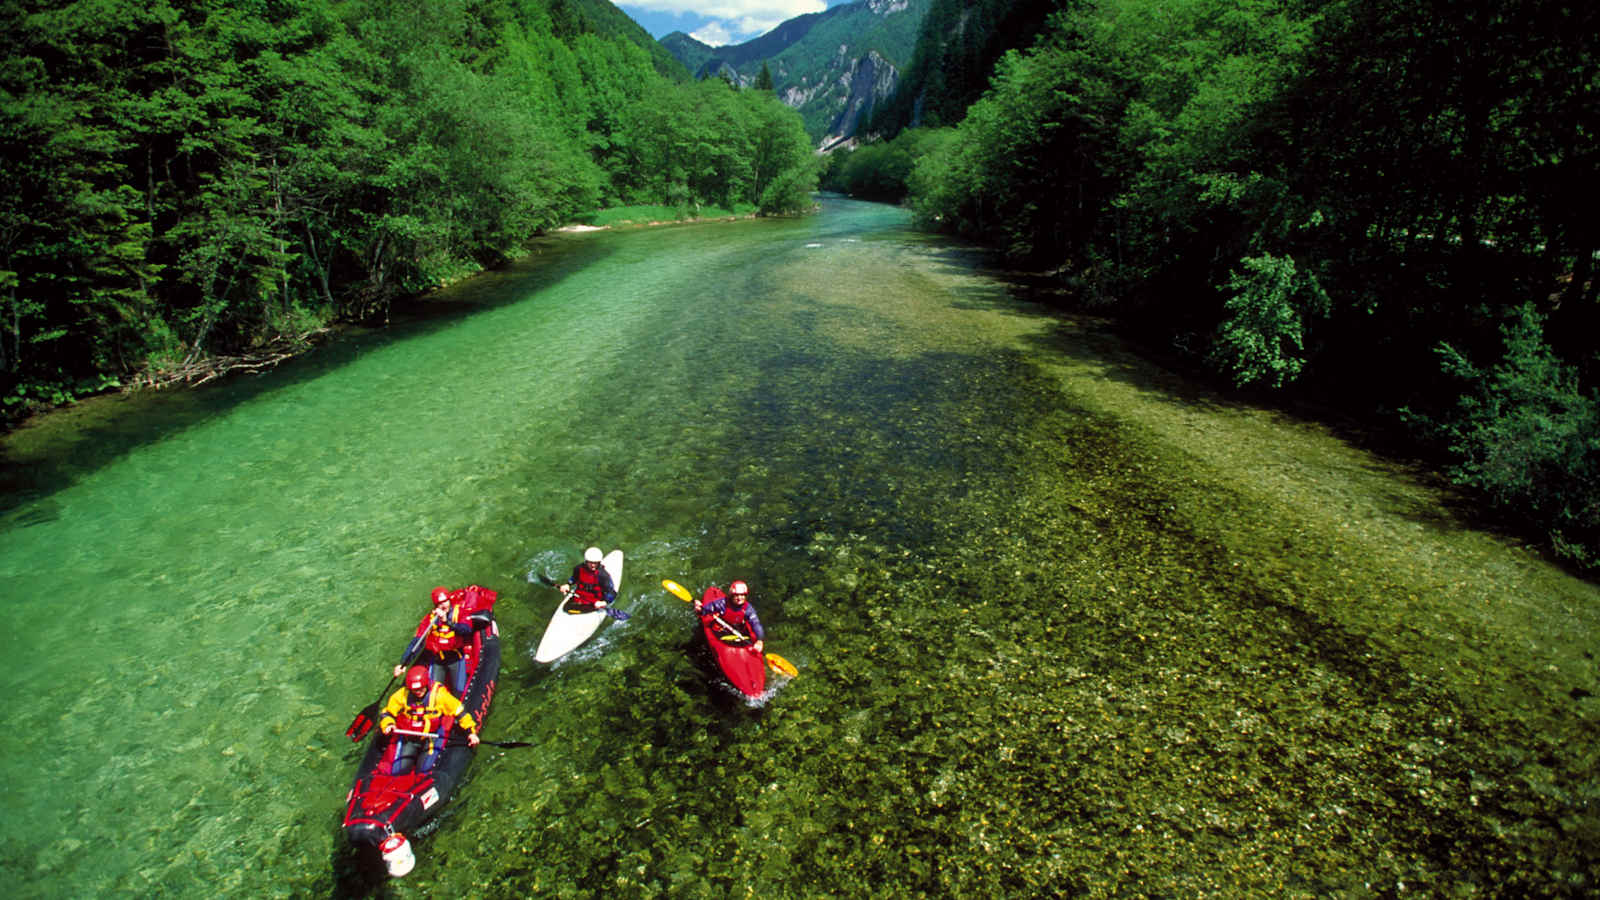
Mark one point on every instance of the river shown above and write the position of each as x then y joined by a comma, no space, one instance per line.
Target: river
1064,623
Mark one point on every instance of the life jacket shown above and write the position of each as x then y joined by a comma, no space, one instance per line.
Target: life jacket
714,605
420,715
589,588
734,615
442,640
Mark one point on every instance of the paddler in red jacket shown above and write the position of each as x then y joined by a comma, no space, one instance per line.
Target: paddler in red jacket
733,609
443,636
420,708
590,586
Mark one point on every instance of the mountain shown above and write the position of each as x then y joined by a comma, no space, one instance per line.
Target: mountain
834,66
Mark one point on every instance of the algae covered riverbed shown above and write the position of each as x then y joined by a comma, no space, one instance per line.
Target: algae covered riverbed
1109,636
1065,624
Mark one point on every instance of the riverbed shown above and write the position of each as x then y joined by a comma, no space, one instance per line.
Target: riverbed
1066,623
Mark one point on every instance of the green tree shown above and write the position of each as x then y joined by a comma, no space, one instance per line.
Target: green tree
783,166
1528,436
1262,339
1027,171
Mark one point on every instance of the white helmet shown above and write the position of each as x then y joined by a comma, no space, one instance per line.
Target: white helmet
593,554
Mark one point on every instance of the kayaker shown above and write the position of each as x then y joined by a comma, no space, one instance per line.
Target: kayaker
590,586
443,636
420,707
734,609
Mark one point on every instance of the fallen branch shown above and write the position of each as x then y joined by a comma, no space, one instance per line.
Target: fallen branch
198,370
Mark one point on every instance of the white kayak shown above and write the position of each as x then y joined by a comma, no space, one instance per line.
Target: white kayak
569,628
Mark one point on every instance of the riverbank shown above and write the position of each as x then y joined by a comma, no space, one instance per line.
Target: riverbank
200,371
1457,663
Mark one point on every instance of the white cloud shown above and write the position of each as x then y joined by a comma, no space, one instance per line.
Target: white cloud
713,34
752,26
732,21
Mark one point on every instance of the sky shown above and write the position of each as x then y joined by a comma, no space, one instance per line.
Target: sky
718,22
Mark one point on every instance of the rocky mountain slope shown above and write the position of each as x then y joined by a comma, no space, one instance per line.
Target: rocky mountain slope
833,66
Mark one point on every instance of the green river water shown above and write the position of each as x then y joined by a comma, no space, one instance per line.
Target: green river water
1064,625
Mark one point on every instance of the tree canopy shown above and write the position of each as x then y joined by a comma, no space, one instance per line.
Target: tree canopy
194,179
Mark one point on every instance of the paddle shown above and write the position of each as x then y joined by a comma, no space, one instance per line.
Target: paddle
778,663
609,610
364,719
462,743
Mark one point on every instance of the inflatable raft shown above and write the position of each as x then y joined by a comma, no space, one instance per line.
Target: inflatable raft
381,807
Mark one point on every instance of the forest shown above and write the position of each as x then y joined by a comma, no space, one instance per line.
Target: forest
1379,208
200,186
1376,207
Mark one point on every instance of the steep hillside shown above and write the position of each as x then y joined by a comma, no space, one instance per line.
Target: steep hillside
833,66
957,47
603,18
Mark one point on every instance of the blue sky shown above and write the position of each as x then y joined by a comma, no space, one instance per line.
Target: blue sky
718,22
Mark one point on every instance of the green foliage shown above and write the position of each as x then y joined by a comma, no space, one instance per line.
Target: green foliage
784,166
700,143
949,67
1263,338
1528,437
1025,171
198,180
647,215
880,170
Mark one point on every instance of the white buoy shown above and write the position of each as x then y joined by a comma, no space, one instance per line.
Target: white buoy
397,854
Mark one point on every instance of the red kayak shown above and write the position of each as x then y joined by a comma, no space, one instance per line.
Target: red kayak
735,654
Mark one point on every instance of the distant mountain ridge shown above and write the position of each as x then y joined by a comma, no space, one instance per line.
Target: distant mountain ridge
834,67
695,55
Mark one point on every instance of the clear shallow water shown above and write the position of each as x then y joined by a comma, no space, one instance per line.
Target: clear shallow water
206,611
1037,657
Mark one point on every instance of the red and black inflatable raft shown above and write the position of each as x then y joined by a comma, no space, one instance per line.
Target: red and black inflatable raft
381,807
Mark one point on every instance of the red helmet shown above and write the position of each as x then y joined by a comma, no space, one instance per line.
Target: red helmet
418,679
739,589
439,595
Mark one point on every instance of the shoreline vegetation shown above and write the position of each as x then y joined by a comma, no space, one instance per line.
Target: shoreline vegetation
49,437
199,370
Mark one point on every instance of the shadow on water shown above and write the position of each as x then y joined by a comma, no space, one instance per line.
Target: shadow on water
53,451
355,873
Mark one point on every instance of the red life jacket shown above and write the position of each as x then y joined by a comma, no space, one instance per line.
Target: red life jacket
730,615
442,640
589,588
734,615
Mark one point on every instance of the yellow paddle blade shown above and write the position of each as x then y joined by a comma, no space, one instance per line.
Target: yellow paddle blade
677,590
779,664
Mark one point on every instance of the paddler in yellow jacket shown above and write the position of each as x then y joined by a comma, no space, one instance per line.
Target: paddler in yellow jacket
419,708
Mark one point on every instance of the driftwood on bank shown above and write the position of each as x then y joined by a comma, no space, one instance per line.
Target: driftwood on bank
198,369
